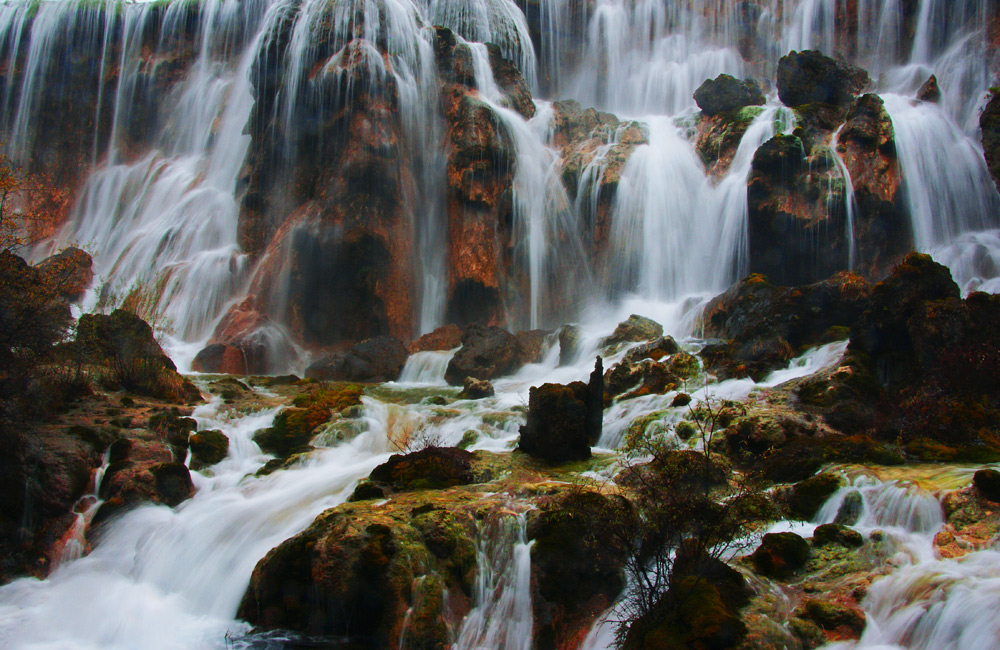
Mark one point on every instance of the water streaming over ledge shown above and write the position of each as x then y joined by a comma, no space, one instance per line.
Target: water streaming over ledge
161,204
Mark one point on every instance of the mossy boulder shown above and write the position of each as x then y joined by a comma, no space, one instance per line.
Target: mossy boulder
635,329
358,570
726,93
208,447
802,456
826,534
433,468
142,472
693,614
808,496
292,430
841,621
577,562
780,555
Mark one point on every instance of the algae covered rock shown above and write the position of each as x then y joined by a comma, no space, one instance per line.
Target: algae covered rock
208,447
808,496
564,421
837,534
635,329
433,468
487,352
780,555
577,561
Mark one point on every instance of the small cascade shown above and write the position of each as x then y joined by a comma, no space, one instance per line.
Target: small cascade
164,578
850,201
928,603
426,367
948,188
501,618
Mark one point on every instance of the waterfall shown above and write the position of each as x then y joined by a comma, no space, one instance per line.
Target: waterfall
501,618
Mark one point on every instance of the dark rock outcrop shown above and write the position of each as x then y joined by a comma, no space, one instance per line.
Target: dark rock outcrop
764,325
989,124
726,93
564,421
433,468
377,359
987,482
577,561
882,230
487,353
797,222
635,329
808,77
780,555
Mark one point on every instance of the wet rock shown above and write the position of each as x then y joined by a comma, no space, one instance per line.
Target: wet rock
511,82
367,490
809,76
534,344
480,172
882,332
139,472
797,215
987,482
719,138
353,574
433,468
585,136
726,93
291,431
764,324
577,559
446,337
208,447
780,555
71,271
245,342
377,359
882,229
645,377
930,91
844,621
476,389
656,350
989,124
837,534
634,330
851,509
808,496
569,344
487,352
564,421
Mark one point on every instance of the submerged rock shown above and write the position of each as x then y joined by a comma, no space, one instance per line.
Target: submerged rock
476,389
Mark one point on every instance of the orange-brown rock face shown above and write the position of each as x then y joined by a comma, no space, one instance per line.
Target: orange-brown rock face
867,146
